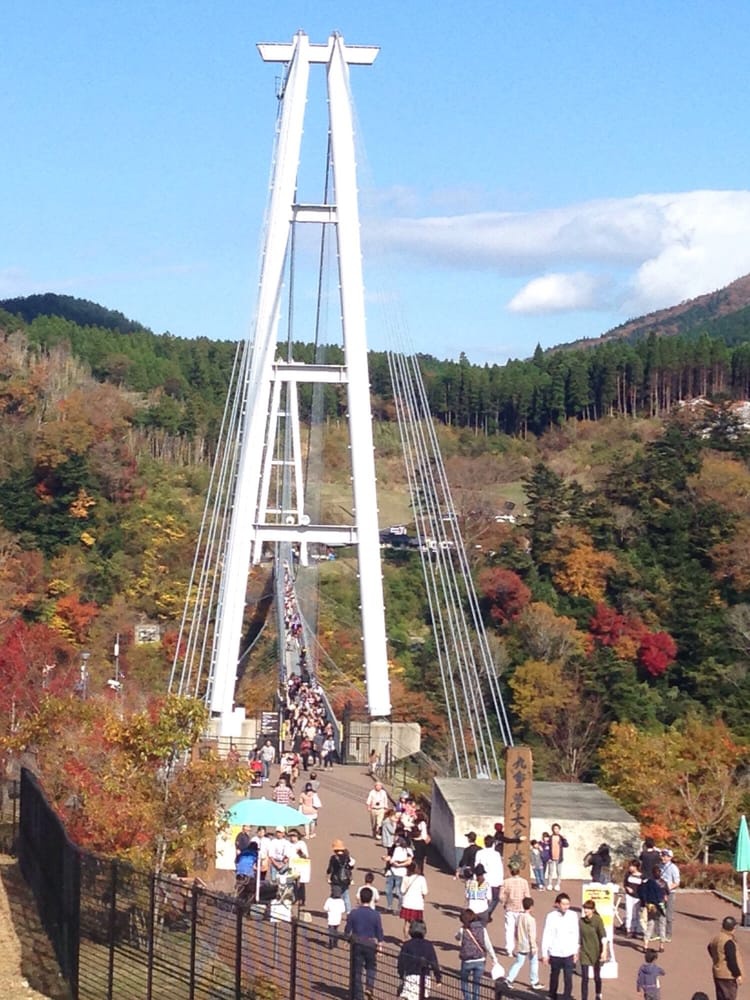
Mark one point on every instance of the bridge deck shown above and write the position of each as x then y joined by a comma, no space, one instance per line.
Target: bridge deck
344,815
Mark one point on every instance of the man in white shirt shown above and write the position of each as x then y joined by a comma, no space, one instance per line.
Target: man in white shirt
671,875
492,862
279,853
267,756
377,803
560,944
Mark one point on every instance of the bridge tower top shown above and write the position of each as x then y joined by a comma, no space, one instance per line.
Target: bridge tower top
269,386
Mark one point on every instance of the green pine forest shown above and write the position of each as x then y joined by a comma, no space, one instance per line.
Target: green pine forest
618,603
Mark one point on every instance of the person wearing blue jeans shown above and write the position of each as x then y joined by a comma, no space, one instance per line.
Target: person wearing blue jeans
526,946
471,977
392,889
365,930
475,946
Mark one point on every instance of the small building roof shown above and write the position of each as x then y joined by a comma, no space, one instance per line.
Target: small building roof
560,800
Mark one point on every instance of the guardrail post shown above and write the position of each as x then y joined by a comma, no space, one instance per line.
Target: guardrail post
112,931
238,954
293,960
151,936
193,938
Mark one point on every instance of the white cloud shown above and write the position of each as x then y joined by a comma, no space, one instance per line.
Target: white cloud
638,253
559,293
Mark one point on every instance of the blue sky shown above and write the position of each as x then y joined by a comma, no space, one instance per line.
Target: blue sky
531,171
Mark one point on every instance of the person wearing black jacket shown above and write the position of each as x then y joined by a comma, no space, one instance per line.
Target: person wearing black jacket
501,838
468,857
600,861
649,857
417,957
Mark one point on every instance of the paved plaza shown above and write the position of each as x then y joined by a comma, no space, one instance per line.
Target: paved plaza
343,791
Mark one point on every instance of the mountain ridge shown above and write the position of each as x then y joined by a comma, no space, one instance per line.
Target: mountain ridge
668,322
674,320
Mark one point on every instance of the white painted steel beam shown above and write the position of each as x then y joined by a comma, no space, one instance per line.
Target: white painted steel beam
356,55
252,523
324,534
355,352
225,652
286,371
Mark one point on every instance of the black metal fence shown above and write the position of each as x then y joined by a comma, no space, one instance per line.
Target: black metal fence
127,935
51,865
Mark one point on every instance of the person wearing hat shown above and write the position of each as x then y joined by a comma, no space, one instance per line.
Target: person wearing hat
468,859
671,875
726,962
279,852
479,894
340,867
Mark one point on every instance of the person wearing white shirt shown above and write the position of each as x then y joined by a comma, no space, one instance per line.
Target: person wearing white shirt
263,841
279,852
377,803
670,873
492,862
560,944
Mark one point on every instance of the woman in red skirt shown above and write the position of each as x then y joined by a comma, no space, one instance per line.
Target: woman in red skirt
413,892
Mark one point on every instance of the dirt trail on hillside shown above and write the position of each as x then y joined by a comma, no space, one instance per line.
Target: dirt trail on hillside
32,961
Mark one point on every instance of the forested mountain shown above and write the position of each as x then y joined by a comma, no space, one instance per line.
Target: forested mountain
690,315
80,311
618,603
188,378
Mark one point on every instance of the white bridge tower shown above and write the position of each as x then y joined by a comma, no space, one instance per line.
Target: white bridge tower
270,385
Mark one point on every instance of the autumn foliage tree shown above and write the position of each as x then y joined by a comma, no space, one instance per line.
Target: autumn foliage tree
504,592
631,640
561,719
127,785
684,783
36,662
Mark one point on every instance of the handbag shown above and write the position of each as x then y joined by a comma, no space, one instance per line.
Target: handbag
497,971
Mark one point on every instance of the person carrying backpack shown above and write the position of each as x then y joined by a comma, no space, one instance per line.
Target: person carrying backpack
340,867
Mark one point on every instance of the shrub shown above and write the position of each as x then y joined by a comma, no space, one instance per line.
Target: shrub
695,875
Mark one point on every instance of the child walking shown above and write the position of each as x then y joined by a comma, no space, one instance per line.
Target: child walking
334,909
648,982
536,863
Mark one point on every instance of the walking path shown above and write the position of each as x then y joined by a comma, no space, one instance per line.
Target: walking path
343,791
24,947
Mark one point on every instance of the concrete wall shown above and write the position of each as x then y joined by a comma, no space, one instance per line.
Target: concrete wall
586,814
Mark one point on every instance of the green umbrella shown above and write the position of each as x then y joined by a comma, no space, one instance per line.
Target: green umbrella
742,863
742,850
265,812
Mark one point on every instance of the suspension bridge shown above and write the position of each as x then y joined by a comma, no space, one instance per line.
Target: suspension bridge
264,496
